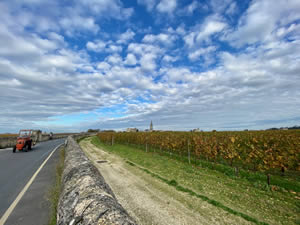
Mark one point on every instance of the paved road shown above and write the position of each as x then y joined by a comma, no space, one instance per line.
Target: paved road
16,169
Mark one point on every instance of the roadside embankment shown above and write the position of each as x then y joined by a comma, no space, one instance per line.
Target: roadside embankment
7,142
85,197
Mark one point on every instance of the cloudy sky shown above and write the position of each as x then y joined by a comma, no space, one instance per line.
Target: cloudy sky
70,65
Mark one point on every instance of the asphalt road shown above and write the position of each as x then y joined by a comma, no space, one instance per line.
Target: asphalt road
16,169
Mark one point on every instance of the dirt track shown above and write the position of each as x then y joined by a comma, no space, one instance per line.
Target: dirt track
150,201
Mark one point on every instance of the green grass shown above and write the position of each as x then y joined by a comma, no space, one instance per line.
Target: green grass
56,189
291,180
204,198
80,139
251,200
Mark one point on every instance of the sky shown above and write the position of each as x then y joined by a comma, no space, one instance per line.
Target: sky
71,65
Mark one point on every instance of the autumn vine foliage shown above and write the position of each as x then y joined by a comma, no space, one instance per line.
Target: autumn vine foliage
253,150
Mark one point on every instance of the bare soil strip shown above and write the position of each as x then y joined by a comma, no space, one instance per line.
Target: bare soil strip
149,200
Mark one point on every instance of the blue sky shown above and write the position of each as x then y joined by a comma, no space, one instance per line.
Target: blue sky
112,64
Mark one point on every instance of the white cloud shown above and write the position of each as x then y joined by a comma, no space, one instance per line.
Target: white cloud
223,6
141,49
168,58
210,28
193,55
180,30
293,30
56,37
148,62
125,37
232,9
262,19
192,7
173,75
150,38
96,46
25,48
109,8
166,6
103,66
114,48
130,59
162,38
78,23
189,39
101,46
57,62
212,25
148,3
114,59
74,17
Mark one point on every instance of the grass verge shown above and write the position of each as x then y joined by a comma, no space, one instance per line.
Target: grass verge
204,198
236,196
56,189
290,181
80,139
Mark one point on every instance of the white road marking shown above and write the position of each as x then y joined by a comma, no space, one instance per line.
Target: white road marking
16,201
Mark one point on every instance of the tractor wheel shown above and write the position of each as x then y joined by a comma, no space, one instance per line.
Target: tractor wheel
29,145
14,149
25,148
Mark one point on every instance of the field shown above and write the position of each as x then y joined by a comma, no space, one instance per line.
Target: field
241,172
8,135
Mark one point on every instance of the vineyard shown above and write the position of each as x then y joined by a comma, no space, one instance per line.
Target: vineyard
251,150
254,174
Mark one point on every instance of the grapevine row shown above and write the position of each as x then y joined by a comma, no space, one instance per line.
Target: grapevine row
255,150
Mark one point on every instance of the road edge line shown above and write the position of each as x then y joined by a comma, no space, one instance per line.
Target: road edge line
21,194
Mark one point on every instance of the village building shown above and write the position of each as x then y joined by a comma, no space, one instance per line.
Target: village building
196,130
132,130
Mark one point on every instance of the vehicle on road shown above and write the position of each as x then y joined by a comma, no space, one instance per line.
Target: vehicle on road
25,140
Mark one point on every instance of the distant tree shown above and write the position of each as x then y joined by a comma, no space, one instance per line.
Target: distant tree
294,128
93,130
273,128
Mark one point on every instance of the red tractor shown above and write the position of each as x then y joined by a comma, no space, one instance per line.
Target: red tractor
24,141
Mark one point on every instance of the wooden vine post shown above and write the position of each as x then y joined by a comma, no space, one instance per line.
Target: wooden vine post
268,179
189,152
237,171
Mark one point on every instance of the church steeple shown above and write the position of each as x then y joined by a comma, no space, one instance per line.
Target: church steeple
151,126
